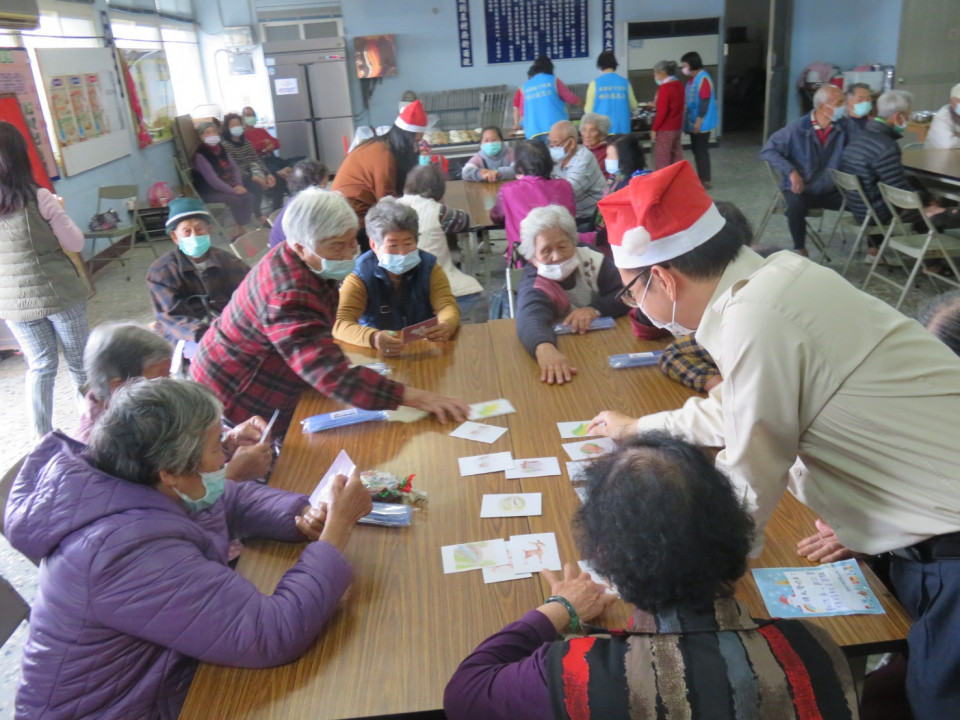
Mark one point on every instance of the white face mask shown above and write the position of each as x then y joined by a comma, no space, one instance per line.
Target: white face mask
560,271
557,153
673,327
211,139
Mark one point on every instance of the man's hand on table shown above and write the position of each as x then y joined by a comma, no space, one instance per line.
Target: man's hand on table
440,405
555,367
823,546
613,425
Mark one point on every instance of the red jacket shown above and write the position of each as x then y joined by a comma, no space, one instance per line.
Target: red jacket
669,106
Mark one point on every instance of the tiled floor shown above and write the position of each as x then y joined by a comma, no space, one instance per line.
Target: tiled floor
738,177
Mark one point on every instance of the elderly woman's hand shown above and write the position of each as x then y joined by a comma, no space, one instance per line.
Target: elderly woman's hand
588,598
579,320
612,424
488,175
388,342
348,501
555,367
439,332
250,462
248,432
311,521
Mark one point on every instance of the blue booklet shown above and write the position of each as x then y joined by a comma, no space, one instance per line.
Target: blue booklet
600,323
835,589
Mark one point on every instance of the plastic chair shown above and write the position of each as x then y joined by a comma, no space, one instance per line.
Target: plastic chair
778,206
931,245
849,184
250,244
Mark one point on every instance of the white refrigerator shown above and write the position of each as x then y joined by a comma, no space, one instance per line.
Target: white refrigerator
311,98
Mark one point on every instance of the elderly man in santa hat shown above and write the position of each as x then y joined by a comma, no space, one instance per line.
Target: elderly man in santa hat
812,369
379,166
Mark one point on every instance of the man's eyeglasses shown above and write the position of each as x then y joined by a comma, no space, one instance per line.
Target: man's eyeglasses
625,296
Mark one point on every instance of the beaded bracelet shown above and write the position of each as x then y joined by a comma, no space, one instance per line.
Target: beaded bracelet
571,610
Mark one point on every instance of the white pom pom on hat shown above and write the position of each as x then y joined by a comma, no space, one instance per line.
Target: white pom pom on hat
636,241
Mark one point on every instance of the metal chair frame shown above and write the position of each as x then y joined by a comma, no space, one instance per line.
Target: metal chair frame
778,206
849,183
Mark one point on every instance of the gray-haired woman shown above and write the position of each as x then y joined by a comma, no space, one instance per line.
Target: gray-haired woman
274,339
135,587
118,352
561,283
394,285
594,130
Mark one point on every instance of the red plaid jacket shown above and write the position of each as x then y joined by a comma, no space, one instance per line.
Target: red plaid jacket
274,340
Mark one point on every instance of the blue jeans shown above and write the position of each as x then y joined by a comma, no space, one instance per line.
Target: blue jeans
474,308
930,592
38,341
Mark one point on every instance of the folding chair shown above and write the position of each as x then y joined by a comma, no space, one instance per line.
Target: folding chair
778,206
250,244
122,197
849,184
931,245
187,187
272,220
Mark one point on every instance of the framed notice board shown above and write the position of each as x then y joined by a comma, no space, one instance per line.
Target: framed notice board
520,30
89,118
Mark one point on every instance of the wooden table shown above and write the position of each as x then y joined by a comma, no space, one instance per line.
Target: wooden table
477,199
941,165
404,626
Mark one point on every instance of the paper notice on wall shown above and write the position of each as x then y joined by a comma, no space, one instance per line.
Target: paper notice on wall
81,107
100,123
61,109
286,86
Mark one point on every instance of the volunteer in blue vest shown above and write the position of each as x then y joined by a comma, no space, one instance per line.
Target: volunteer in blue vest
394,285
700,116
611,95
540,101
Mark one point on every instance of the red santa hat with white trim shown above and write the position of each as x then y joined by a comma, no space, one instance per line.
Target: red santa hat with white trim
413,118
659,216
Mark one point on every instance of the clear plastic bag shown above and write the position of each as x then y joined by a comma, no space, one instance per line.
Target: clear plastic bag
629,360
388,514
600,323
341,418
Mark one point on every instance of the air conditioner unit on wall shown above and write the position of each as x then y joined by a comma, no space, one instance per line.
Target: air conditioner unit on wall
19,15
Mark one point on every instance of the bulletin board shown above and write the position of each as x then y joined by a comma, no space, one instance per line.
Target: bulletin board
89,117
16,77
519,30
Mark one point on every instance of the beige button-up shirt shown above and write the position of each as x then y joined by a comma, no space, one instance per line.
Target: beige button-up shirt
814,369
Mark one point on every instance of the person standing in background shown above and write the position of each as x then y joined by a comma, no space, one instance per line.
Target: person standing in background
540,102
668,125
611,95
42,297
701,113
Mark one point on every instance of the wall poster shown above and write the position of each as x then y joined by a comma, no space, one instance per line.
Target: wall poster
520,30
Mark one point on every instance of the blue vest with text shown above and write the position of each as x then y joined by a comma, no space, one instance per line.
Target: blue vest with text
709,121
542,106
612,98
390,308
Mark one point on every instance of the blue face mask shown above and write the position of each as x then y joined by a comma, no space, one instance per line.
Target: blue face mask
658,81
861,109
839,112
424,159
335,269
400,264
195,246
612,166
214,483
491,149
557,153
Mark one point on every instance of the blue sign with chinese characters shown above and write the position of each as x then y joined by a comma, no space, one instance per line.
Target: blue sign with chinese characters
607,25
463,32
520,30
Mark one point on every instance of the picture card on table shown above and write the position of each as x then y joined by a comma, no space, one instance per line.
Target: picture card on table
589,449
533,553
489,409
473,555
500,573
534,467
511,505
342,465
573,430
479,432
835,589
480,464
412,333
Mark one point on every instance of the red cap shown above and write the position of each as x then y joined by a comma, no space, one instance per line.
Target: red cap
413,118
659,216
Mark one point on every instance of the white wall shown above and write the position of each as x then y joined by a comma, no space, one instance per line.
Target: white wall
428,50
